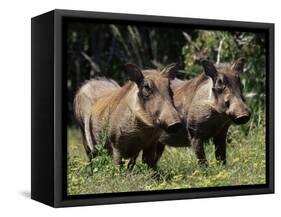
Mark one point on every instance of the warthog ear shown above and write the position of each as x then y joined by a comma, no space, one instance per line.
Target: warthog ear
238,66
134,73
170,70
210,69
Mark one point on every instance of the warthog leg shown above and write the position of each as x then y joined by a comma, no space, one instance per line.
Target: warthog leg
198,147
89,140
132,162
117,158
149,156
220,145
84,141
159,151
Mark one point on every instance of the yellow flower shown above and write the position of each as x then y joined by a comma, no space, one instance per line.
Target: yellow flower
196,172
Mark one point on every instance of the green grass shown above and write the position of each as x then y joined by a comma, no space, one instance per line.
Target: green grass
177,168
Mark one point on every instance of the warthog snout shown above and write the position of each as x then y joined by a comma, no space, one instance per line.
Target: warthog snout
169,118
173,128
242,119
239,112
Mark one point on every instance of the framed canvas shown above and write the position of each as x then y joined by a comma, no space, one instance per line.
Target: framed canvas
134,108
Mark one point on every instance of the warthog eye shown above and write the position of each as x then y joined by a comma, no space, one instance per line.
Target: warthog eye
219,87
227,103
147,88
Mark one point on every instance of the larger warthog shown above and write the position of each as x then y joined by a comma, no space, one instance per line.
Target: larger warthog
133,116
208,104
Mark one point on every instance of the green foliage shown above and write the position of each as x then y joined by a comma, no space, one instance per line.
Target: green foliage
102,151
178,167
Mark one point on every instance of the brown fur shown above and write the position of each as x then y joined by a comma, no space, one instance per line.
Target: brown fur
133,115
110,101
183,100
208,104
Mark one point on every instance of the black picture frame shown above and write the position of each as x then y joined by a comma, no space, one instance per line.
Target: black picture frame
48,147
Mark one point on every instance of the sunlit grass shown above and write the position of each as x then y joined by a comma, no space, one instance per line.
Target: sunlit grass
177,168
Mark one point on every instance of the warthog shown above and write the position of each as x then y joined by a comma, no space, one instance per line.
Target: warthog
208,104
133,115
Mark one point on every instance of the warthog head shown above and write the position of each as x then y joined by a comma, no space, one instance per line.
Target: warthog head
155,96
228,90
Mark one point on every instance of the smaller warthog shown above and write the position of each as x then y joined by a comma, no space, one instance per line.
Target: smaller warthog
208,104
133,116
